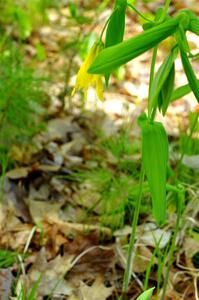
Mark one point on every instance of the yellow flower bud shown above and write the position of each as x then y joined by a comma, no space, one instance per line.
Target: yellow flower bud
84,79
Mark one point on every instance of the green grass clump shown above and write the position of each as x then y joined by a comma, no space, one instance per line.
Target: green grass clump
21,100
8,258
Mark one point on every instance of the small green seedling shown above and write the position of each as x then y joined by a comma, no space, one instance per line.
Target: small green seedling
146,295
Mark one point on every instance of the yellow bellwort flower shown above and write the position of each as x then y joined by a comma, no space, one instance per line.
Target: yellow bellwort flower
84,79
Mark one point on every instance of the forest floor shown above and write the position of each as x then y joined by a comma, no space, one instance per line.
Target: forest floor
68,199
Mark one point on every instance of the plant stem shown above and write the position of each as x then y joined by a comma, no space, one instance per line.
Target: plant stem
127,274
165,9
173,244
138,12
152,72
106,24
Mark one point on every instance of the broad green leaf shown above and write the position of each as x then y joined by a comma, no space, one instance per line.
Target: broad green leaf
181,92
166,91
160,79
146,295
194,26
155,159
115,56
116,26
193,82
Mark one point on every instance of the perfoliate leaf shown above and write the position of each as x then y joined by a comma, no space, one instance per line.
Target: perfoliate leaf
115,56
181,92
146,295
159,81
116,26
193,82
166,91
155,159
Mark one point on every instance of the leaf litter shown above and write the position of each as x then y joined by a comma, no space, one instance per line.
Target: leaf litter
48,213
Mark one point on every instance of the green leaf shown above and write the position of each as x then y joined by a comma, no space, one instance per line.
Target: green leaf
115,56
161,79
146,295
194,26
116,26
191,77
155,159
181,92
166,91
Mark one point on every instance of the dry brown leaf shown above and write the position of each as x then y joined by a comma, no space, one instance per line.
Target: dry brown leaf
141,259
18,173
22,153
40,210
150,235
68,228
52,279
97,291
57,129
191,247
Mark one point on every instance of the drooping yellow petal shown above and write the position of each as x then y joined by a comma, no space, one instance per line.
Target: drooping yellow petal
84,79
99,87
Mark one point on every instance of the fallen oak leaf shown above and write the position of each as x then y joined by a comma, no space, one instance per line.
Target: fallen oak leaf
98,291
18,173
52,274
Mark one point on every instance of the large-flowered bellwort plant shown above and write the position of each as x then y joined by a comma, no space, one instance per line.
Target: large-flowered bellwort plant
116,52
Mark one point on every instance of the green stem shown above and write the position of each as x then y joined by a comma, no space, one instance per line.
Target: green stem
165,10
152,72
138,12
173,244
105,25
128,270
